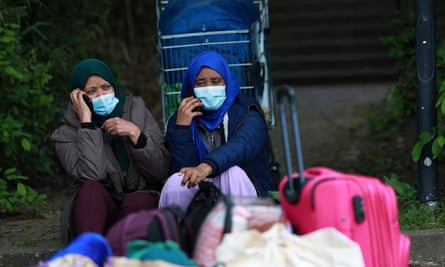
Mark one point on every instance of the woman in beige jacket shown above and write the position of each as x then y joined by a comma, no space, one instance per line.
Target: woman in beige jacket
113,150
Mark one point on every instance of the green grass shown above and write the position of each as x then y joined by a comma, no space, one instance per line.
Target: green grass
414,214
421,216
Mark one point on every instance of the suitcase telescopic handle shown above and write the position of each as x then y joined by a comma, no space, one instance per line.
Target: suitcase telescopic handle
291,190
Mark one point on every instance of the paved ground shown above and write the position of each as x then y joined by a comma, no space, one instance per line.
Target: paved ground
332,123
332,120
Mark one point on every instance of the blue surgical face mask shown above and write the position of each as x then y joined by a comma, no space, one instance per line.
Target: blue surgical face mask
212,97
104,104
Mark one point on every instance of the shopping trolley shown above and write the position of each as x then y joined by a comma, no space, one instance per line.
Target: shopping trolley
246,50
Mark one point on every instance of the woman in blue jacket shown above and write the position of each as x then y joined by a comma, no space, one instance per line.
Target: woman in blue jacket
217,135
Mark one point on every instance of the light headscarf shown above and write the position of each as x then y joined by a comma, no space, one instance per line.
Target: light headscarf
210,119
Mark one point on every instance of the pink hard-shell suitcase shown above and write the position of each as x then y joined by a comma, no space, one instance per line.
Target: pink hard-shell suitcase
361,207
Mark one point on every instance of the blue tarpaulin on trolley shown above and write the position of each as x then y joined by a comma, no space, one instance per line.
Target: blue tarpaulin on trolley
234,28
185,16
199,17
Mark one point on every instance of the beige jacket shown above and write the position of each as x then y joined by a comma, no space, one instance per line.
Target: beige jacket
85,154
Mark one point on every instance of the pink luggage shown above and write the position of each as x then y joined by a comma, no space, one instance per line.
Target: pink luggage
361,207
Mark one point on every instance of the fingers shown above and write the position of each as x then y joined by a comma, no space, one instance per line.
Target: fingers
191,177
187,110
189,104
75,96
112,126
119,126
189,101
79,105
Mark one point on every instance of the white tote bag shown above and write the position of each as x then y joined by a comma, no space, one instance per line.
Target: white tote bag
326,247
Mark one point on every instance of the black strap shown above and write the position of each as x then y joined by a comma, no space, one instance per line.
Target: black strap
229,214
222,133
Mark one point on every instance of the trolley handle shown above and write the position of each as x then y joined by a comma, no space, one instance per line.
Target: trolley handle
291,190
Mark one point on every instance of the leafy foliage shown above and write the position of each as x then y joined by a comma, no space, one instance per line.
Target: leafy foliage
413,214
35,53
389,121
400,106
26,108
14,200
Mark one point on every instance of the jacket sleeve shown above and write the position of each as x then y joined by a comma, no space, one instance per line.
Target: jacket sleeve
243,145
153,159
80,152
180,144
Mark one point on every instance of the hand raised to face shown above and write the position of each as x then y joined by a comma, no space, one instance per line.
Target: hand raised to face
80,106
187,110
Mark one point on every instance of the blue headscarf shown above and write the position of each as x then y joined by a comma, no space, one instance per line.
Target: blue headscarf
210,119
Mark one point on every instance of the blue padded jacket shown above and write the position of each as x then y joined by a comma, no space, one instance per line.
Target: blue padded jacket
247,145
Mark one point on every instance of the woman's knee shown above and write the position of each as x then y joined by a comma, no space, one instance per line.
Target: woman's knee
173,183
235,181
91,190
173,193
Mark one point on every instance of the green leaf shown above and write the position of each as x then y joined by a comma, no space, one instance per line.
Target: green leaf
442,106
26,144
6,135
7,39
13,72
21,189
437,146
403,190
424,138
42,197
10,171
440,140
417,151
31,198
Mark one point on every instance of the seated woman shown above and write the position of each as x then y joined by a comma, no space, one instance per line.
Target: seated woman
113,150
217,134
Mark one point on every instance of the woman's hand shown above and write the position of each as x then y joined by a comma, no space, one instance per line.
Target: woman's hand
193,175
80,107
121,127
185,110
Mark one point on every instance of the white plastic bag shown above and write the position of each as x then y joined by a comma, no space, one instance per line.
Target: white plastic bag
243,213
326,247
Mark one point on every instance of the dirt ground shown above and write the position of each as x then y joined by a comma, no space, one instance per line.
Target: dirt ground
334,133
